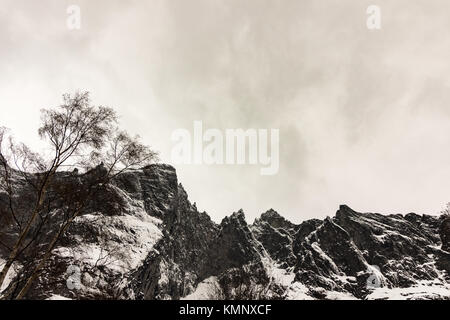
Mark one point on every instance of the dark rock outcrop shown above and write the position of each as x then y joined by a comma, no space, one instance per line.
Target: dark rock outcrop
444,231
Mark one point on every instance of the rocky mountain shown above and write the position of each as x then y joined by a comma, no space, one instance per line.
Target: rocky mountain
157,245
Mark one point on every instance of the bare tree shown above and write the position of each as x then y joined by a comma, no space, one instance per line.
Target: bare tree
79,135
446,210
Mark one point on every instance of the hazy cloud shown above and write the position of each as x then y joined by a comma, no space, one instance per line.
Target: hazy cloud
363,115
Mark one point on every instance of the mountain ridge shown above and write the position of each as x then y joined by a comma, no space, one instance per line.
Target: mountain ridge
159,246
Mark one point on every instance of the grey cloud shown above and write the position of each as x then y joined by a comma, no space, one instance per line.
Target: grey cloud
356,109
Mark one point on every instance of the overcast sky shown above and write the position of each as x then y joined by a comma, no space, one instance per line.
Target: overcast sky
364,115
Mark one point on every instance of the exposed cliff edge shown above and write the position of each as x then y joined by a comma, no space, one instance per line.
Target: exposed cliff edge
157,245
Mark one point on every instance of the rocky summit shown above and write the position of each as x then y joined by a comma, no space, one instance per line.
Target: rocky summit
157,245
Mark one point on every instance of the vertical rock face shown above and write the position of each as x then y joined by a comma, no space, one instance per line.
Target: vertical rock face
400,246
232,247
444,256
157,245
276,235
173,269
445,233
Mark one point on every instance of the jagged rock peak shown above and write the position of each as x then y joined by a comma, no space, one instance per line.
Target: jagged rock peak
346,210
275,220
270,214
237,217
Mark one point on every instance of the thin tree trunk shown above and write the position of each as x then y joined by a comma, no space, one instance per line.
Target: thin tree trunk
52,245
13,255
44,259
